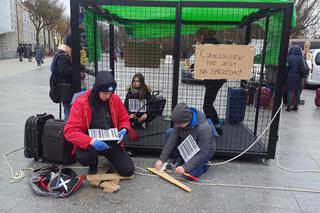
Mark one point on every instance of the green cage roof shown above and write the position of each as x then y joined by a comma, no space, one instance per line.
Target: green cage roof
162,18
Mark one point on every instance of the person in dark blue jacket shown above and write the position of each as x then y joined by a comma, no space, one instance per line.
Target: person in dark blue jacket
294,78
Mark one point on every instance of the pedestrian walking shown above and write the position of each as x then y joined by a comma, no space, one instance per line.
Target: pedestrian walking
294,77
38,55
20,51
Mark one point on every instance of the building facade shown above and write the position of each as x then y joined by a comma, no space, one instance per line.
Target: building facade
15,28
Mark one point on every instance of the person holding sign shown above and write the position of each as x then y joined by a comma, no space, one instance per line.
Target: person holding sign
190,143
206,36
137,102
102,109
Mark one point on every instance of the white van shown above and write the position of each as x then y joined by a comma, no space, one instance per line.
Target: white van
314,76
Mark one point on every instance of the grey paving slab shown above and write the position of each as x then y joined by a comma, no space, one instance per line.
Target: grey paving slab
24,91
308,202
266,200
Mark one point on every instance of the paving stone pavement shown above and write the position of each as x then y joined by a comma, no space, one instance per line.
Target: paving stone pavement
24,91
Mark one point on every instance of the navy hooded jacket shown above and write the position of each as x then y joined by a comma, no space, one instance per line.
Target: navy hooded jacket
295,58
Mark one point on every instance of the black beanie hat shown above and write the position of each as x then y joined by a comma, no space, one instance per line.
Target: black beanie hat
181,114
104,82
69,41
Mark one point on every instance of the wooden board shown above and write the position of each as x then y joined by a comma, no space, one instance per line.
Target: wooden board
169,178
110,176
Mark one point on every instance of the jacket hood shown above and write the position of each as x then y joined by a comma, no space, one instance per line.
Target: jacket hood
295,50
104,82
197,118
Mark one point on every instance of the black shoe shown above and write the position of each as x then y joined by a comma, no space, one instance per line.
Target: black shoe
295,108
288,109
93,169
219,130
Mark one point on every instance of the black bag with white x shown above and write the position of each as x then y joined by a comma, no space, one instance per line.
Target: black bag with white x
49,181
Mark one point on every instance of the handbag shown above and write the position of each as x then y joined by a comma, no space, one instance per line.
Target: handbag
304,68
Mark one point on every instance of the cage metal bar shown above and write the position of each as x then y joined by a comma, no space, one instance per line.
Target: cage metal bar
286,28
111,48
76,81
176,58
261,74
234,4
137,3
95,43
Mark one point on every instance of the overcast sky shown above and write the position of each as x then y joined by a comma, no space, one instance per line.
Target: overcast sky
67,5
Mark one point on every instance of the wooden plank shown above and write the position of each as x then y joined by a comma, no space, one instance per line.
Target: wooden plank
114,181
109,186
110,176
169,178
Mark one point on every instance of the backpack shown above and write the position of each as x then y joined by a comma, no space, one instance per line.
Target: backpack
52,182
304,68
54,92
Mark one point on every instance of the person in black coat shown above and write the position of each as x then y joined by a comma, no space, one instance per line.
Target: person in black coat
64,71
206,36
20,51
138,101
294,78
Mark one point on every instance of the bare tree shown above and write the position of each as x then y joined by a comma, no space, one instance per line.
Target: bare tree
62,29
53,17
43,13
308,15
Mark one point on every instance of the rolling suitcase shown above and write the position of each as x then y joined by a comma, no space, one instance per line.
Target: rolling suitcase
33,135
265,96
317,98
236,105
56,148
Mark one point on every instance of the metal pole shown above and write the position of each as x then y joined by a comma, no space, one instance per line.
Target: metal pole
111,48
176,57
75,32
95,44
286,29
263,56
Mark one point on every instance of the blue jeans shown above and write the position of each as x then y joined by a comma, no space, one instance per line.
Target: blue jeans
66,110
175,156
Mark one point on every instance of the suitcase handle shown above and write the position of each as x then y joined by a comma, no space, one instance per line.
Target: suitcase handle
42,114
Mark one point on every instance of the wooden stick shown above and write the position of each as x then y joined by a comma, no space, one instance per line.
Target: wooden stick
170,179
110,176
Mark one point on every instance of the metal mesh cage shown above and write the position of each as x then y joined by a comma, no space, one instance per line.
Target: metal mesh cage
157,40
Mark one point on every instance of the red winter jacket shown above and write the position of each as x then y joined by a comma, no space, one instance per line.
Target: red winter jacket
79,120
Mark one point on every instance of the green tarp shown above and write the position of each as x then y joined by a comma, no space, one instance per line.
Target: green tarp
131,16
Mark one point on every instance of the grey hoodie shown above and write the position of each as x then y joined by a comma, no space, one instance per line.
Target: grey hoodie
201,133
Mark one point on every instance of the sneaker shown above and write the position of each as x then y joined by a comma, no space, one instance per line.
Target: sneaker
93,169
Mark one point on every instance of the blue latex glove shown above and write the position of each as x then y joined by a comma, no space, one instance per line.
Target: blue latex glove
122,133
100,145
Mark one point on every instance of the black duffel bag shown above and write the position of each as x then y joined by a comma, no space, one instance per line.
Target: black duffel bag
55,148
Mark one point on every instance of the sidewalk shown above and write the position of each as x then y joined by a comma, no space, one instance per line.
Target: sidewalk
11,67
24,92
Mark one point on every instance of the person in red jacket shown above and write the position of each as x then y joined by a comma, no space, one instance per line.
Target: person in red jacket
99,108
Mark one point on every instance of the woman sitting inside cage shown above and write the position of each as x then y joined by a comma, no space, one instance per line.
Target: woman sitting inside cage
138,102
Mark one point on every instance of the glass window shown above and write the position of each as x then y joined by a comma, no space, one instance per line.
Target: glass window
317,59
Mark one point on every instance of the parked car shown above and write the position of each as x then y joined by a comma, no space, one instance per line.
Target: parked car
314,76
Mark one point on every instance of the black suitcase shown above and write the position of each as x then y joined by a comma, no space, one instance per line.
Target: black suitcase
56,148
236,105
33,135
